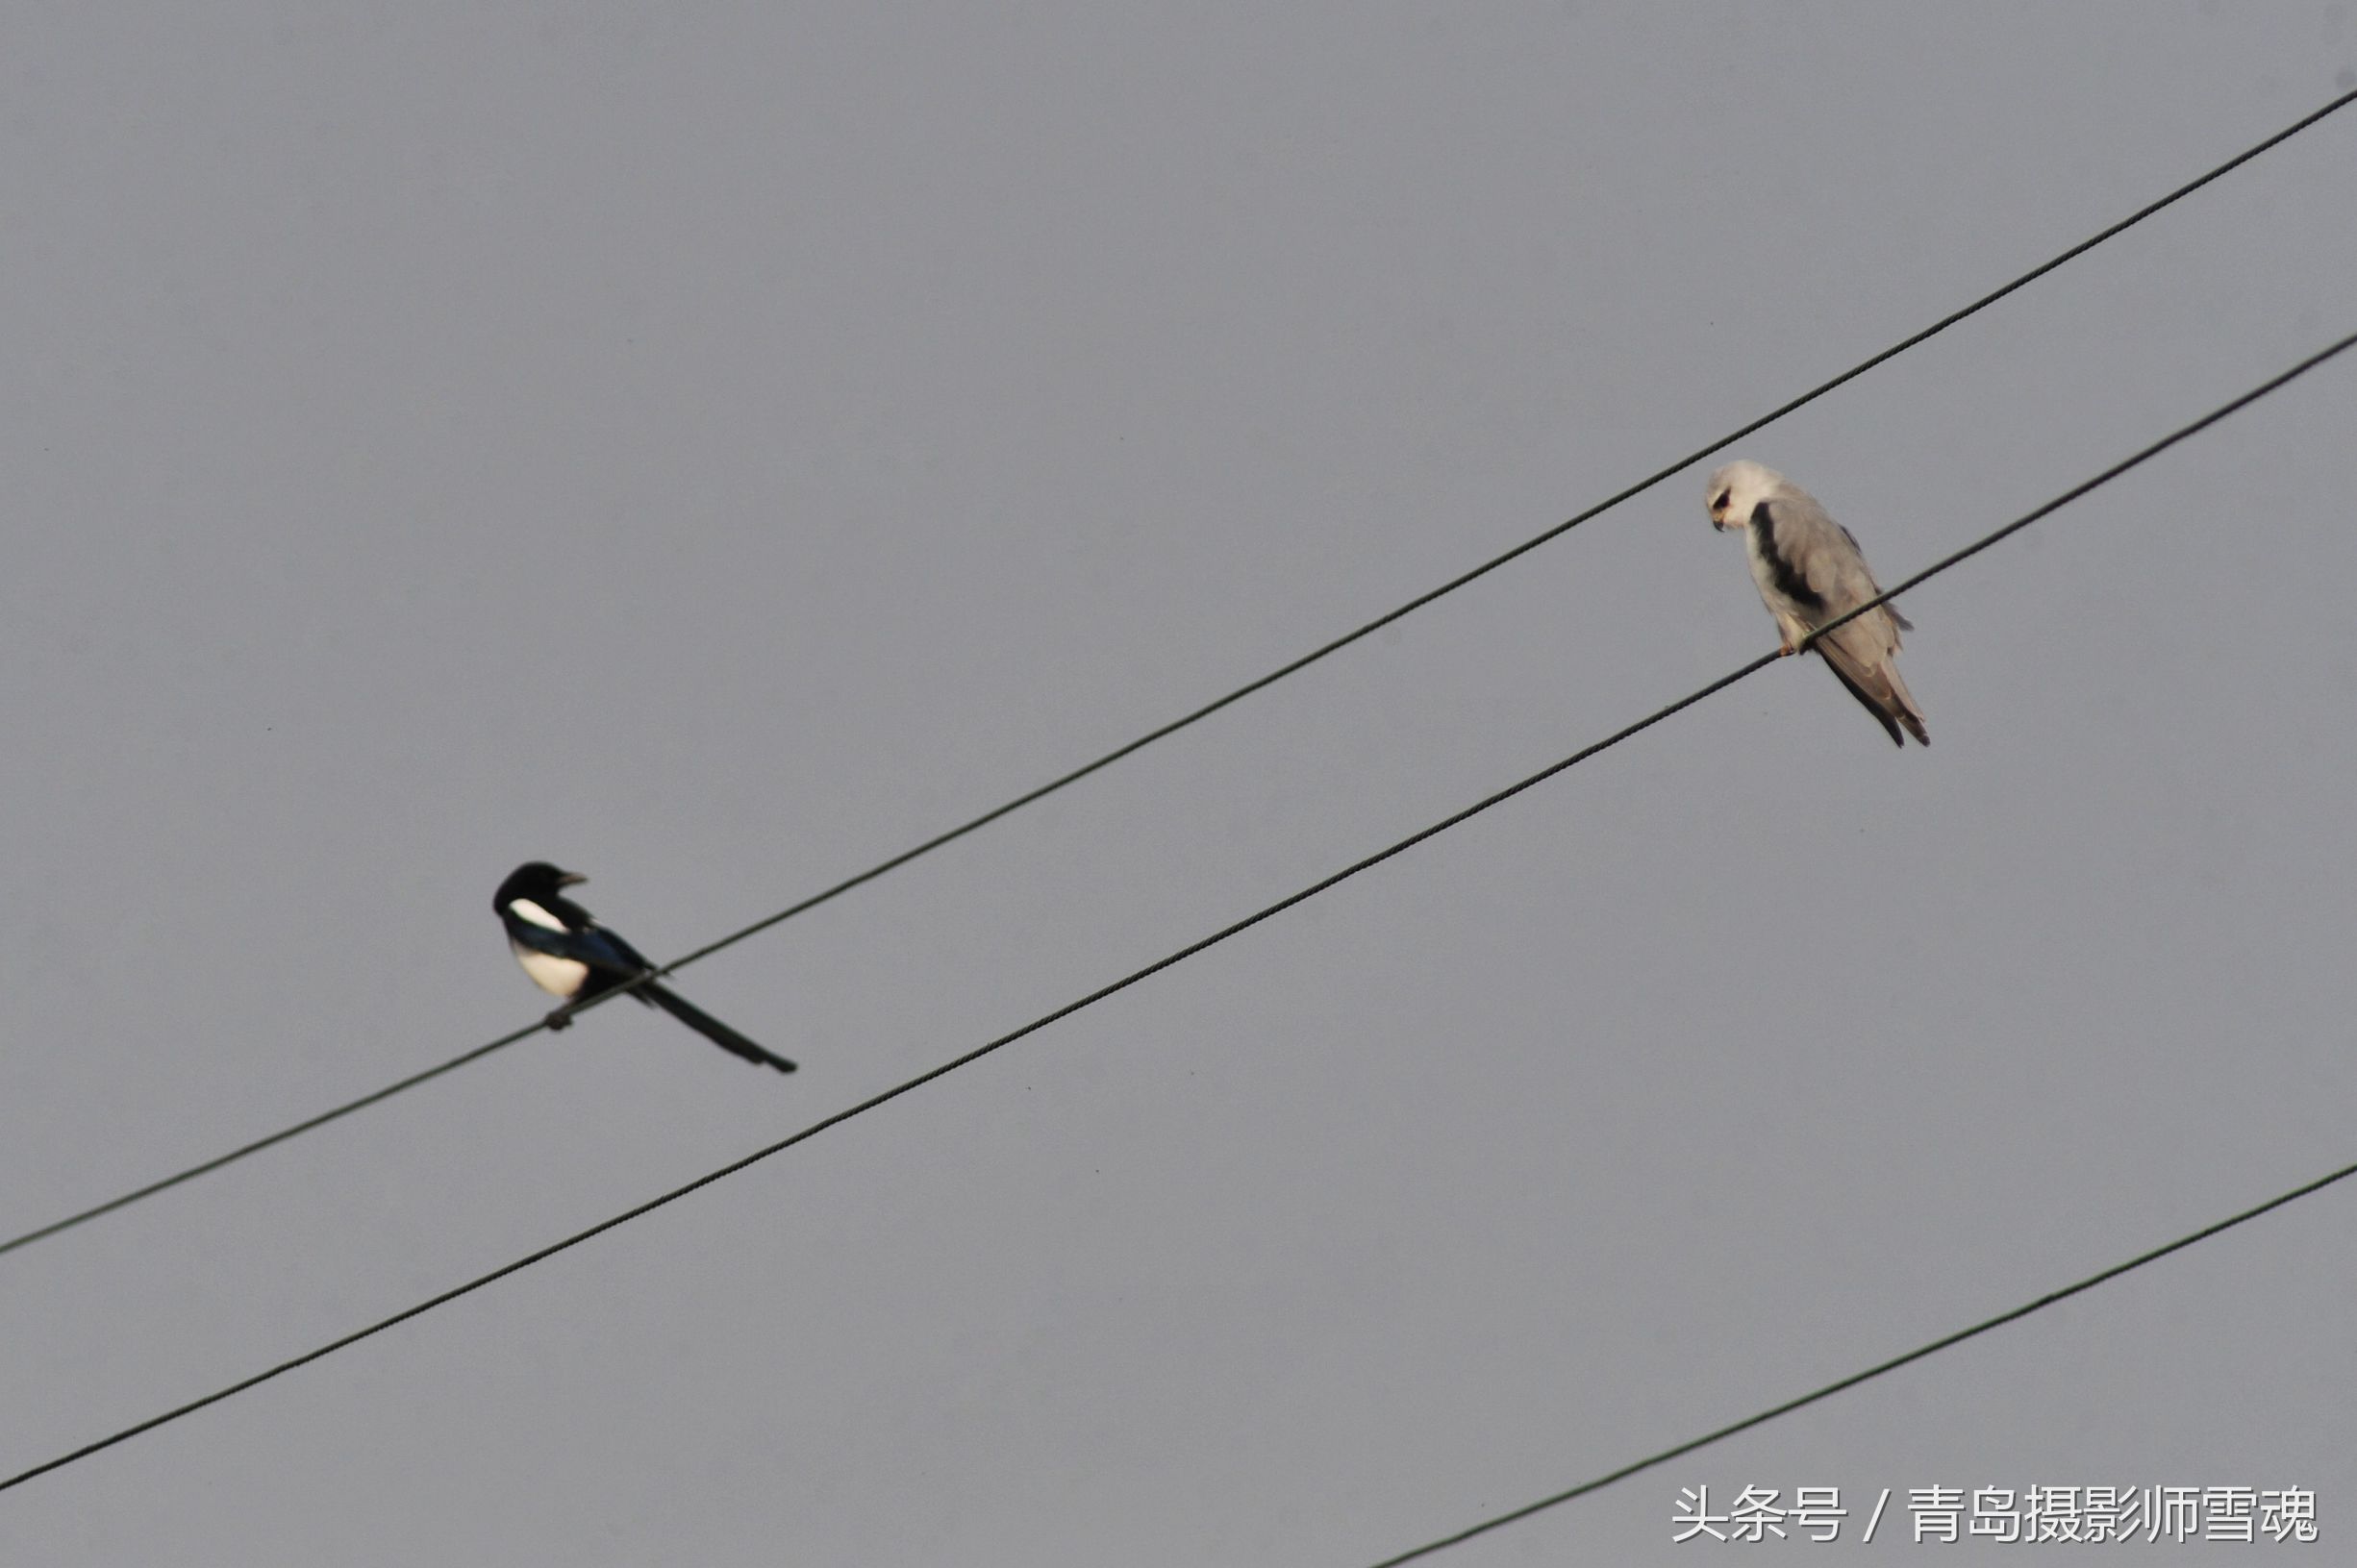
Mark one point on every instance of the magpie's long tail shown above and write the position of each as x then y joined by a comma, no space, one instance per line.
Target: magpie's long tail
710,1028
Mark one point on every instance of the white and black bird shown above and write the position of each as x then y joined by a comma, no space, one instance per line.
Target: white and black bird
568,954
1810,571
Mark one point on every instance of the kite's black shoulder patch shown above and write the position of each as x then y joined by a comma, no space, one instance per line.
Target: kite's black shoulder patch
1789,581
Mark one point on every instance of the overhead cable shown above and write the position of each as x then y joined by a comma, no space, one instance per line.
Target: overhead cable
1123,983
1295,666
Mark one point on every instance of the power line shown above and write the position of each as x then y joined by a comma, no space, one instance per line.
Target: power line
1192,948
1205,712
124,1200
1650,1460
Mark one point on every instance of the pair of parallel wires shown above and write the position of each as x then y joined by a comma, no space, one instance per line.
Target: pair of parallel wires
1236,695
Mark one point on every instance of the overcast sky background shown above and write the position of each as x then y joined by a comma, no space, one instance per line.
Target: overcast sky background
717,446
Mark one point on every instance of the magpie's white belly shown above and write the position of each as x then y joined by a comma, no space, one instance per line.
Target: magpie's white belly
558,977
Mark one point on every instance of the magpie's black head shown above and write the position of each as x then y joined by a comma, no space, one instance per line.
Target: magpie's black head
535,880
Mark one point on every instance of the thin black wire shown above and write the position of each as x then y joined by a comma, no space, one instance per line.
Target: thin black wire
1830,1389
280,1136
1190,949
1209,708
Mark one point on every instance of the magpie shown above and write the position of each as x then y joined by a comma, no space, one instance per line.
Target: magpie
568,954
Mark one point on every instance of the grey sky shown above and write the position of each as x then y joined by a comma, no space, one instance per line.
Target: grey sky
720,448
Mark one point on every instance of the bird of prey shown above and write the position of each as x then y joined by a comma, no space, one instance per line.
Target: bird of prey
1810,571
568,954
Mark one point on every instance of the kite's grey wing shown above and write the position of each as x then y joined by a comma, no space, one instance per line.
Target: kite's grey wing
1820,553
1825,555
1871,676
1897,619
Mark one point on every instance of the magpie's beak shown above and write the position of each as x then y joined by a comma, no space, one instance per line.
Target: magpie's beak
569,878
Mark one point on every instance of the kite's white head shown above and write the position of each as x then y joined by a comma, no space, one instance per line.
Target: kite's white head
1737,490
